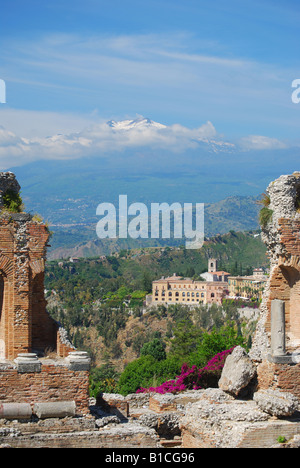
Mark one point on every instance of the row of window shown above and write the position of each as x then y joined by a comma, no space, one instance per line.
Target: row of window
188,299
183,294
185,286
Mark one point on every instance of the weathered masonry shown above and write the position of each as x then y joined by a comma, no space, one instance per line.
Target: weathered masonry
27,332
277,341
25,325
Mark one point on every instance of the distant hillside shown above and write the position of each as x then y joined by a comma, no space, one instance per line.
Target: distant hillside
99,301
234,213
235,251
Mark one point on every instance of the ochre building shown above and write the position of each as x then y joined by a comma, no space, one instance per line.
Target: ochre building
177,290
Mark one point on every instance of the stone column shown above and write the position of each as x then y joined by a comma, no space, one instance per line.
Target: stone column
278,328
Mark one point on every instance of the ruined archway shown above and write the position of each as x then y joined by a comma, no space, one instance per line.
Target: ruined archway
44,328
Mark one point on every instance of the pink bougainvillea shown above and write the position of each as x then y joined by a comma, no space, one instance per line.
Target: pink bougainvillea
193,377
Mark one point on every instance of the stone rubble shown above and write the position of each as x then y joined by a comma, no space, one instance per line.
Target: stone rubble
279,404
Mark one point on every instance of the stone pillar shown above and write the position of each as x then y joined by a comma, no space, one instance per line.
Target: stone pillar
278,349
278,328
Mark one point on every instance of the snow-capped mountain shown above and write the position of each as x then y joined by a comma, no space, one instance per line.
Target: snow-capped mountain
205,135
140,122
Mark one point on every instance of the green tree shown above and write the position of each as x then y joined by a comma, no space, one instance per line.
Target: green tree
184,341
155,348
147,282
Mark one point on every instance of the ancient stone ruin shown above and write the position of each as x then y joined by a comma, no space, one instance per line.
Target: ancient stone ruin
277,342
25,325
44,402
27,332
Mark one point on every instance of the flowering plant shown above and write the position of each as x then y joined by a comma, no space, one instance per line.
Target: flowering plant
193,377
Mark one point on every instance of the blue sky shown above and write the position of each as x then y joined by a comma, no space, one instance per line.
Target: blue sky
72,64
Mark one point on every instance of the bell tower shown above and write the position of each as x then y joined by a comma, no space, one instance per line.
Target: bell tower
212,265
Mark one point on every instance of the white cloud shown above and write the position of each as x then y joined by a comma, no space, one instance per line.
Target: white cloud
259,142
97,140
104,139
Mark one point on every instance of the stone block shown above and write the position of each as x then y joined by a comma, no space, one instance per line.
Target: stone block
237,372
59,409
162,403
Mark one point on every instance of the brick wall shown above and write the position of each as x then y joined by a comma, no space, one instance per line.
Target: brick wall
54,383
279,376
285,280
25,324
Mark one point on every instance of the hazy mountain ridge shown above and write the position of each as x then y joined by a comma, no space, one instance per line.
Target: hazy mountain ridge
227,179
231,214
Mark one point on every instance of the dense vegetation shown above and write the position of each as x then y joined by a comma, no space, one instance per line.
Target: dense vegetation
100,302
192,348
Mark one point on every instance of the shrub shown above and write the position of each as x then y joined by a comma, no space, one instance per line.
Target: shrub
145,371
264,200
103,380
193,377
214,342
265,216
136,372
12,201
